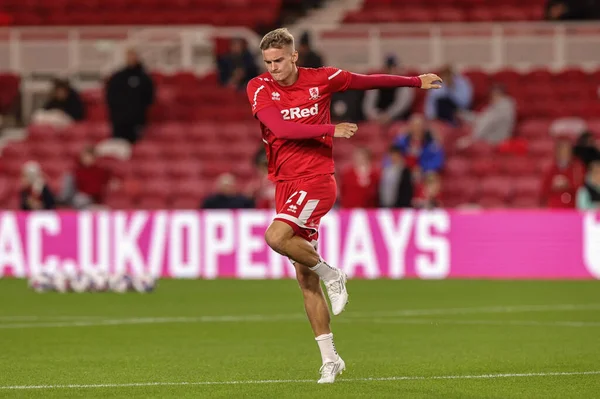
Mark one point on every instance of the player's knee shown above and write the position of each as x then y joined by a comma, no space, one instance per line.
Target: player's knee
276,236
275,239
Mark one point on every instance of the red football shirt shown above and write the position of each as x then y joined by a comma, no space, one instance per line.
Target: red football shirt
306,101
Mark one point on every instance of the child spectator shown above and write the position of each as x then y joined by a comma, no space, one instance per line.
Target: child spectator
561,181
227,196
360,182
35,193
428,192
88,183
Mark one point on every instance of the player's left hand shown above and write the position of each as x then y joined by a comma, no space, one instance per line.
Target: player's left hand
430,81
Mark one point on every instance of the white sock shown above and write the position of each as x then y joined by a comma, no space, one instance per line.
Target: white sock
326,272
327,347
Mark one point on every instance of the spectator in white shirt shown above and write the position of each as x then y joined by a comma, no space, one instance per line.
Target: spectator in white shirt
495,123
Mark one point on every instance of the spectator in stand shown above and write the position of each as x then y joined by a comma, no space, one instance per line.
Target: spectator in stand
455,95
360,182
227,196
588,195
62,108
35,193
129,94
586,149
495,123
261,189
238,66
564,177
88,183
307,57
387,105
428,193
419,147
396,184
564,10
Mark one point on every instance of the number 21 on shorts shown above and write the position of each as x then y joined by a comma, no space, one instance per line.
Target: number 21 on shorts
301,197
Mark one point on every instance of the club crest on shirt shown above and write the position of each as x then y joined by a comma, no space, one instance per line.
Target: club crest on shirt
314,93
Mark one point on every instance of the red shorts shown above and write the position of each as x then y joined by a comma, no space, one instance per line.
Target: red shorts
302,203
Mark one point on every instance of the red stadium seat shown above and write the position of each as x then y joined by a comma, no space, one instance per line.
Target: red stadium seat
188,170
517,166
527,185
534,128
146,150
156,188
457,167
526,202
149,169
177,151
492,202
496,186
484,166
466,189
185,203
152,203
542,147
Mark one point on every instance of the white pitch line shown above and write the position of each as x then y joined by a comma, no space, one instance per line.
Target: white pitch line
487,322
47,318
488,309
268,318
340,380
158,320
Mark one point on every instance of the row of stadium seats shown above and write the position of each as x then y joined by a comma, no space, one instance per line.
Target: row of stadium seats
375,11
140,12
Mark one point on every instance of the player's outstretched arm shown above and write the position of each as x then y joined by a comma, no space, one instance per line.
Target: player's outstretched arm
271,118
380,81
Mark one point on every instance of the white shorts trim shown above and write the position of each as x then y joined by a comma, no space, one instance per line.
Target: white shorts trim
308,209
294,220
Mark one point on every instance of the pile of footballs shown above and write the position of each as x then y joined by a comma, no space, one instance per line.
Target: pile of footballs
91,282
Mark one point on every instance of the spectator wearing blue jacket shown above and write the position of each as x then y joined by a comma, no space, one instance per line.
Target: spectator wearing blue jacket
456,94
420,149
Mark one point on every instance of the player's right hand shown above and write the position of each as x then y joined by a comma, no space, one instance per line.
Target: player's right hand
430,81
345,130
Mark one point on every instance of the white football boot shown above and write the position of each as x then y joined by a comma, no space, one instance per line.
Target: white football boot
337,293
330,370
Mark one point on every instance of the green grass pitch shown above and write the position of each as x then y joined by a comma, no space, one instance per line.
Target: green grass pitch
250,339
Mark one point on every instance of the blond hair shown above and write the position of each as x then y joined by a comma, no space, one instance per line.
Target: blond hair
278,38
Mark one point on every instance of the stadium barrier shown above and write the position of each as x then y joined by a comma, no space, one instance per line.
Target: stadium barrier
365,243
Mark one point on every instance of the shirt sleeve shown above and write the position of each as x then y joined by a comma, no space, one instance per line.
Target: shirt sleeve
258,95
337,79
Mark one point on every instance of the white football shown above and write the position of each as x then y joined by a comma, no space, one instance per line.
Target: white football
98,281
119,283
143,283
80,282
41,282
62,282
